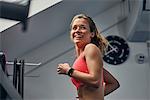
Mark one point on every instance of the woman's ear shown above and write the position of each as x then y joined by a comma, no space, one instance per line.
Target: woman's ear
92,34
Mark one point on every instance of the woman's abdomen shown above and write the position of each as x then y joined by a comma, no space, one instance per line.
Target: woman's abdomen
91,93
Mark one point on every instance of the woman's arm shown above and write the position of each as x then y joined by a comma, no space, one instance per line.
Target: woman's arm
111,83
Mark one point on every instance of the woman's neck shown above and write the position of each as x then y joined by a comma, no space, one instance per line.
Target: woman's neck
78,51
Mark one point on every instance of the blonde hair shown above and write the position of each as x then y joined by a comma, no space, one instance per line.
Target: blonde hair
99,40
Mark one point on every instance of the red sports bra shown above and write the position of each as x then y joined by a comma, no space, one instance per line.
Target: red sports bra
81,66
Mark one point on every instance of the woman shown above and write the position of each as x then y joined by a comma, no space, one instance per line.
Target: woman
87,71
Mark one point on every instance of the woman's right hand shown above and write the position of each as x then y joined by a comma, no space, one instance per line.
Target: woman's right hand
63,68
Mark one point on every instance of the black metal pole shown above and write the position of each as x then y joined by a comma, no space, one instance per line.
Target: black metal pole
15,73
21,78
19,75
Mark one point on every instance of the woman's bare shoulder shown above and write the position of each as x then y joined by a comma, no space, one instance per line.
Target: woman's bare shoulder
91,49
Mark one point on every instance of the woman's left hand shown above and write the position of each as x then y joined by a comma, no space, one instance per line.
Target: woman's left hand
63,68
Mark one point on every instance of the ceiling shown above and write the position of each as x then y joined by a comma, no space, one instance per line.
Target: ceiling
35,7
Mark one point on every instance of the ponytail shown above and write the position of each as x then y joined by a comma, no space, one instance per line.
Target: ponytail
100,41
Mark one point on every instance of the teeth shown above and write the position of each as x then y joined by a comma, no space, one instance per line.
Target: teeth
78,37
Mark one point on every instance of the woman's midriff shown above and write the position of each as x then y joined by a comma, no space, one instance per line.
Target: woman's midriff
90,93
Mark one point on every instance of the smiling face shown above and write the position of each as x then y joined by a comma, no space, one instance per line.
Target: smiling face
80,32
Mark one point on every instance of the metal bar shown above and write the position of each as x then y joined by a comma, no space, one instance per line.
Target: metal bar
18,78
27,75
21,78
15,73
26,64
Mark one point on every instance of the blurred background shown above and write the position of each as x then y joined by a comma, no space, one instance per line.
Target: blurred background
37,32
